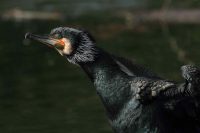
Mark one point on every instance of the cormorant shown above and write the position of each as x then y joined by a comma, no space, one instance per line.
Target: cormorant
136,100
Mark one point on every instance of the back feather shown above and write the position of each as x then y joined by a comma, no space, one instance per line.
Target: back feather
132,69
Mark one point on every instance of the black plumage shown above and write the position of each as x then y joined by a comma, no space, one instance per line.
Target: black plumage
136,100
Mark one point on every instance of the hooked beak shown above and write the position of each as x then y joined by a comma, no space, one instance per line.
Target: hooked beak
52,42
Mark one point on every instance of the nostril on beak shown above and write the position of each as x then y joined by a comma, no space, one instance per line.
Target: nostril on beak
27,35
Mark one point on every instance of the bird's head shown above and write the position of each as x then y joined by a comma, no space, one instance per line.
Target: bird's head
77,45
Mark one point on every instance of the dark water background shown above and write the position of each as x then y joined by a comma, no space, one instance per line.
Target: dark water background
40,92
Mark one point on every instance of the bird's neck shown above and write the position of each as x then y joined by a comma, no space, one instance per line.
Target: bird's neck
103,65
111,83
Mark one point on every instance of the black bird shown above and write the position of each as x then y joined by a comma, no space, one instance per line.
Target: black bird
136,100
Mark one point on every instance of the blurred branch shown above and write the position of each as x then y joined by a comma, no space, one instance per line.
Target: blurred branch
20,15
167,16
181,54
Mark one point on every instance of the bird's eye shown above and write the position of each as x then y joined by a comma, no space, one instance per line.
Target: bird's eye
57,36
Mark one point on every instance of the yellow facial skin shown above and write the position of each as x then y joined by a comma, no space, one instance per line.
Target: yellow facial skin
64,46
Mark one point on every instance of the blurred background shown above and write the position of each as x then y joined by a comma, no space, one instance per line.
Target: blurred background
40,92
